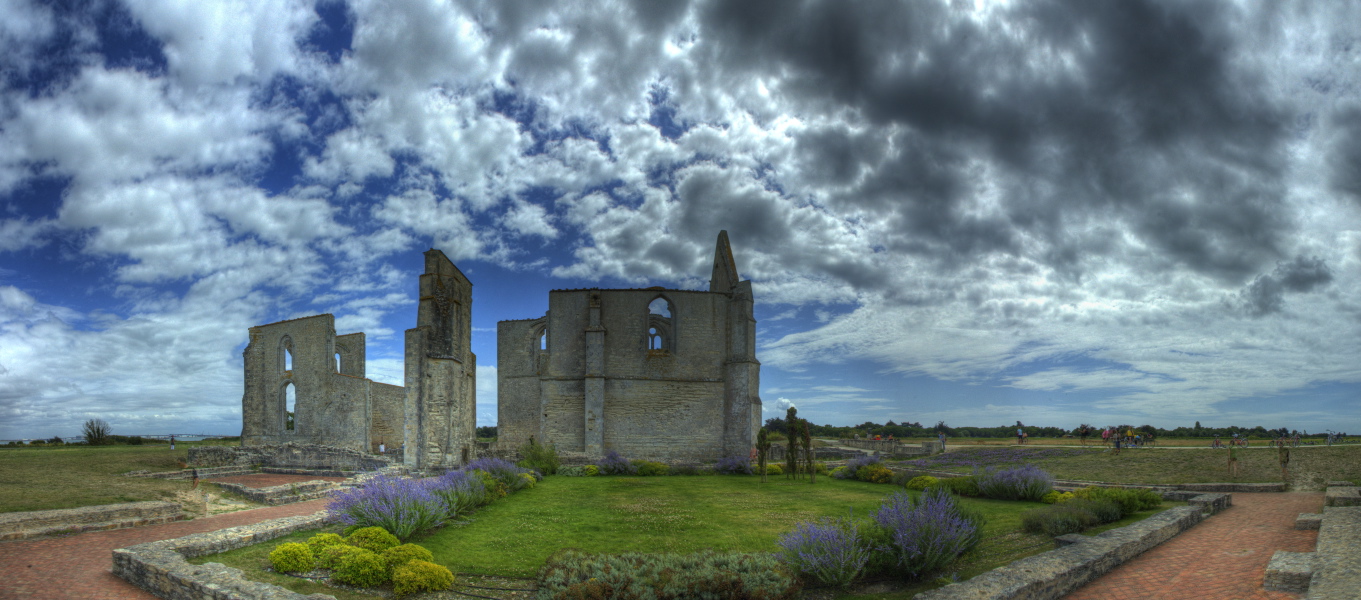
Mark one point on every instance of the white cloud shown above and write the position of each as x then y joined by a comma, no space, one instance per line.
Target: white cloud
221,41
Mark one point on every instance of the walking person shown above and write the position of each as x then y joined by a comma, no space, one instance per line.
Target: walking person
942,441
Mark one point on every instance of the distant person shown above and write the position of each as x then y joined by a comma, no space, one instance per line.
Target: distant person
1019,434
942,441
172,442
1105,436
382,448
1117,444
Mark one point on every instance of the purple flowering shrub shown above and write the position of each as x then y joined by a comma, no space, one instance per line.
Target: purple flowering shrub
927,532
1026,482
853,466
967,459
831,551
734,465
460,492
503,470
614,464
402,506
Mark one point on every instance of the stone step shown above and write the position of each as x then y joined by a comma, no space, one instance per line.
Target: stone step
1289,571
1308,521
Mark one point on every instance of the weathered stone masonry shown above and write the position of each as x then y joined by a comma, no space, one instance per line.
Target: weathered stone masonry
651,373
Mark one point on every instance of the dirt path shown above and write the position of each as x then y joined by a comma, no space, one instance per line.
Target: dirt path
1223,557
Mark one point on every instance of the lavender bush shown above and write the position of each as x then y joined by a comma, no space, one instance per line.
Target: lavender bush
854,465
831,551
978,458
460,492
1026,482
503,470
614,464
927,532
734,465
402,506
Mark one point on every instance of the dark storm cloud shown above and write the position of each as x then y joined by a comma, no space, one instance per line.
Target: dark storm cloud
1126,113
1346,157
1266,293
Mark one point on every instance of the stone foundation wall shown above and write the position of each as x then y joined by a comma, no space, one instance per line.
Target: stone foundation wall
38,523
161,569
287,456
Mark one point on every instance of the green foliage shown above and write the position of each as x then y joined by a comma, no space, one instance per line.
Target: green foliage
397,556
96,432
373,539
963,486
496,489
838,471
874,473
773,469
292,557
420,576
361,569
330,556
321,541
529,480
1069,517
648,467
539,457
573,574
922,482
762,452
791,456
591,470
1130,500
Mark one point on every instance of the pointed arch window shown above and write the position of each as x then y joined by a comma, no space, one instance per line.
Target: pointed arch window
289,395
661,326
286,354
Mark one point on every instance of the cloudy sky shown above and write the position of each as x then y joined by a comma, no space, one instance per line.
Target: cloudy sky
977,212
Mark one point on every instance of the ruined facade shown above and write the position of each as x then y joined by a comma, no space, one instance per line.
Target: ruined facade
651,373
304,362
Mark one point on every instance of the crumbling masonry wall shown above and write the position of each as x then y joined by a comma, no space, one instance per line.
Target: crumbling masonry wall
440,382
601,371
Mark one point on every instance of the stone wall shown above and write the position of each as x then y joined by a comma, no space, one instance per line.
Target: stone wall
287,456
441,371
678,384
39,523
388,427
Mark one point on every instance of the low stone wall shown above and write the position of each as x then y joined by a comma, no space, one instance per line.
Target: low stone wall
1342,496
204,472
288,456
283,494
893,447
161,569
1080,559
38,523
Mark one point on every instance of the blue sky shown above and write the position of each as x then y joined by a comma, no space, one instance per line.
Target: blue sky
1052,212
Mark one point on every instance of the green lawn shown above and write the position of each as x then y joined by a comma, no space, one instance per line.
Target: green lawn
75,476
513,537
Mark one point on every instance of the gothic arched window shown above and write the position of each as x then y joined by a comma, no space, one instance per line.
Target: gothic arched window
661,326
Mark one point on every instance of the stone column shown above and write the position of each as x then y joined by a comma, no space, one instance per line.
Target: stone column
595,382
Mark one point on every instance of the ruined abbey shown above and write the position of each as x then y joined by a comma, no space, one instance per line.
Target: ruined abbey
652,373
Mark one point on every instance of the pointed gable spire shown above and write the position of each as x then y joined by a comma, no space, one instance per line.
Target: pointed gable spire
725,269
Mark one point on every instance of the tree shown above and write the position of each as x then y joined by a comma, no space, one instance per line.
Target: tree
1083,431
96,432
808,451
762,450
288,423
776,425
791,458
486,431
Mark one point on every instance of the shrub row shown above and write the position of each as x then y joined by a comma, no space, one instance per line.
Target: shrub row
911,535
1074,511
573,574
864,468
370,557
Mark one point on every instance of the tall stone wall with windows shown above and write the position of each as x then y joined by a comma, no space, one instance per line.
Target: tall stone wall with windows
651,373
441,371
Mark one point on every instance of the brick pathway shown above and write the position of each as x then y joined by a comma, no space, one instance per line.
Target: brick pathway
1223,558
79,566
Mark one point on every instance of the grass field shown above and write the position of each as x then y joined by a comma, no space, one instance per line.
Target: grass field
1094,442
513,537
1310,466
75,476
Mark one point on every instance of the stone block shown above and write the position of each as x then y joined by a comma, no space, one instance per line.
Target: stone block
1308,521
1289,571
1342,496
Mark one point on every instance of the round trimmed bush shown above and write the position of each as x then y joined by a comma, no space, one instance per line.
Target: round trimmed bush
874,473
529,480
420,576
330,556
320,541
649,468
774,469
397,556
922,482
591,470
292,557
373,539
361,569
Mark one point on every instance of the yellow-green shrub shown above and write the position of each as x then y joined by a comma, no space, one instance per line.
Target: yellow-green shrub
362,569
529,480
320,541
921,482
774,469
1055,497
292,557
396,556
330,556
592,470
373,539
648,468
874,473
420,576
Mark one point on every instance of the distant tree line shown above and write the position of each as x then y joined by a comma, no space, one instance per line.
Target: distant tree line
917,430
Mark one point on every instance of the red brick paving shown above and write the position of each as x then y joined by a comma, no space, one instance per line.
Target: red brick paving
1222,558
80,566
264,480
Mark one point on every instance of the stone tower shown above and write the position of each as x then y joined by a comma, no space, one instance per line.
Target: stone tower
441,370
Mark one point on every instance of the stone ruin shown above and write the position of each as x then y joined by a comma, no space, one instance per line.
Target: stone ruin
653,373
432,418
